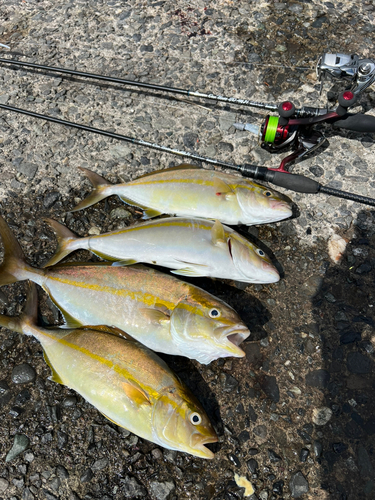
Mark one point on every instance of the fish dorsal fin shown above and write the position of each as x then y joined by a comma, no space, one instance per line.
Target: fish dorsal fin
55,377
155,315
217,233
183,166
136,393
222,188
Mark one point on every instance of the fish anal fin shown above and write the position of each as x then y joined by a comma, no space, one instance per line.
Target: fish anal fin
148,212
155,315
55,377
113,422
189,271
125,262
69,321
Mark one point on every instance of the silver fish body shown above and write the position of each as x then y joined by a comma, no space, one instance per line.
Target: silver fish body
159,310
196,192
194,247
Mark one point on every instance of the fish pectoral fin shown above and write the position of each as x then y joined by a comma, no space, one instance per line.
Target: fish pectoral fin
124,262
222,188
155,315
217,233
55,377
136,393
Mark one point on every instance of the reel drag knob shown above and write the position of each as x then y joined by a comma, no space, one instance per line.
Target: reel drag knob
346,99
286,109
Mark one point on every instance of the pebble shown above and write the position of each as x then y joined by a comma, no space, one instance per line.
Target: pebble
318,378
278,487
252,465
320,416
269,386
359,363
298,485
161,491
132,489
86,476
304,453
100,464
3,484
120,213
20,444
22,374
273,456
260,431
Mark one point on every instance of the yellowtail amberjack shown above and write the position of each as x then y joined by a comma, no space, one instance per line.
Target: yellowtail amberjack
190,191
123,379
159,310
195,247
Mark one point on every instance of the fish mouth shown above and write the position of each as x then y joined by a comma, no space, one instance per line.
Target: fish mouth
201,450
282,206
272,275
233,337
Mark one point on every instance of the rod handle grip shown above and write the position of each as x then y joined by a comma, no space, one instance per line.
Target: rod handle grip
356,122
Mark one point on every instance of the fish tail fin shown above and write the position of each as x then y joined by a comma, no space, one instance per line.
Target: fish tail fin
14,258
64,239
28,316
99,192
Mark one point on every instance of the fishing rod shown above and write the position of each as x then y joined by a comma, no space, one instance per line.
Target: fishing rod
293,129
294,182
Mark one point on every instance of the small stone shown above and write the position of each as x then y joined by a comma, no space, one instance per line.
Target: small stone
94,231
190,140
86,476
50,199
260,431
304,453
229,383
69,401
298,485
316,170
252,465
161,491
364,463
132,489
318,448
22,397
100,464
120,213
27,495
253,451
20,444
277,487
235,460
339,447
22,374
28,169
320,416
269,386
318,378
243,437
358,363
3,484
61,472
274,457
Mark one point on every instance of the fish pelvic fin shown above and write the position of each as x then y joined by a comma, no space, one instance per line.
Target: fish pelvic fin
14,257
99,192
64,237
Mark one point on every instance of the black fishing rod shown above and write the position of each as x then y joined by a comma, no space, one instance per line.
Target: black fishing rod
294,182
151,86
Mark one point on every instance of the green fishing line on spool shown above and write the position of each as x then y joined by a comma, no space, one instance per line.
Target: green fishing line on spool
271,129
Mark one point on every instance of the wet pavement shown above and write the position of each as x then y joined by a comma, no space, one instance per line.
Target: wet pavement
295,417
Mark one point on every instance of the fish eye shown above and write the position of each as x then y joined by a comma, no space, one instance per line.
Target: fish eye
195,418
267,193
260,252
214,313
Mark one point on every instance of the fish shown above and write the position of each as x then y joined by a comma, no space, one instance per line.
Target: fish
159,310
194,247
127,382
189,191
